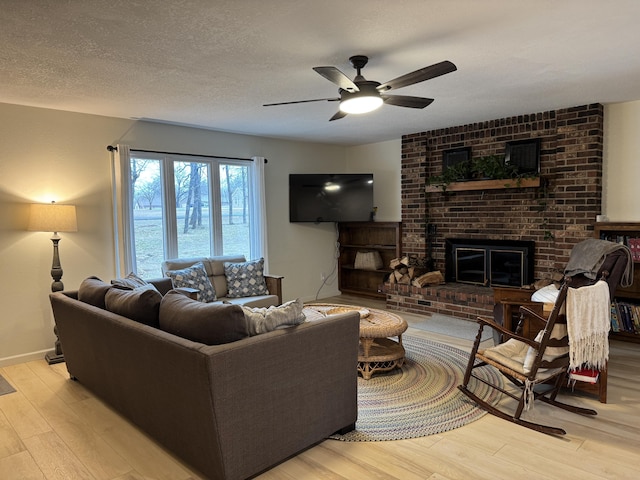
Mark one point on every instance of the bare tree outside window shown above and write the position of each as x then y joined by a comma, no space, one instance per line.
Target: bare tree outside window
192,223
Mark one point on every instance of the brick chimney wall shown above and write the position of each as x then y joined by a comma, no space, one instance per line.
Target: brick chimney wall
556,215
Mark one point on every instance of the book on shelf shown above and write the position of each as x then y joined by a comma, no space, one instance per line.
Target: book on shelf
632,242
625,317
623,313
635,310
615,324
634,245
588,375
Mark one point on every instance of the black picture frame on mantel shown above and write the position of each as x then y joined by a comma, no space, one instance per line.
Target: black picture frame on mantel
524,154
454,156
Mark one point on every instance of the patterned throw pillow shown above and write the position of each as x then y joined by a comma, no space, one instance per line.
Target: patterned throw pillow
245,279
196,277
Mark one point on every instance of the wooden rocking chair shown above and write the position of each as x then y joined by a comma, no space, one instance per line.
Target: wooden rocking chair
527,363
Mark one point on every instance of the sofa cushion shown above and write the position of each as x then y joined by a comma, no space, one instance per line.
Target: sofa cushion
92,290
208,323
262,320
141,304
129,282
196,277
245,279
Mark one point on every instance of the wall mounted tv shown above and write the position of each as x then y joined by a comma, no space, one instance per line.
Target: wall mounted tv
325,197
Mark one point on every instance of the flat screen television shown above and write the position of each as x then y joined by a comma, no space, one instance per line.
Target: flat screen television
326,197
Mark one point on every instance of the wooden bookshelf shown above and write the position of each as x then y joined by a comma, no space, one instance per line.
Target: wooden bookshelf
621,232
354,237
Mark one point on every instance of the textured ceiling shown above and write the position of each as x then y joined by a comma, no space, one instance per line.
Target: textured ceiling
212,64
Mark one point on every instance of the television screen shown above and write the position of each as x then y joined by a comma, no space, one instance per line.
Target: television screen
324,197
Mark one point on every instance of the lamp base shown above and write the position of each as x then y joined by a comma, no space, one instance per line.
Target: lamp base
57,356
53,358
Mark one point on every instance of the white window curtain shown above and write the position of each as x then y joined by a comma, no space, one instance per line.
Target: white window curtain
120,175
259,212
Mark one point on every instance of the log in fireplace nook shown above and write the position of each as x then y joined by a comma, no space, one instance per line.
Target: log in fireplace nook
505,263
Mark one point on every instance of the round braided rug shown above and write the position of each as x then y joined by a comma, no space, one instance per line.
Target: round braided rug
421,398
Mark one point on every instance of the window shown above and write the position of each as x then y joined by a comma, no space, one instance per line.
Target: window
182,206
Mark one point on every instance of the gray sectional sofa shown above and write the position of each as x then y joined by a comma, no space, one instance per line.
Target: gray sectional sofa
230,410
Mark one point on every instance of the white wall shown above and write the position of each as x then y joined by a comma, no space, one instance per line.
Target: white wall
383,160
52,155
621,176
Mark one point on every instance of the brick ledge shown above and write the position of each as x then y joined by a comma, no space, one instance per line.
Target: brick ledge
453,299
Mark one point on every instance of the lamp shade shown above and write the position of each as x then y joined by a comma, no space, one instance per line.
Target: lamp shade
51,217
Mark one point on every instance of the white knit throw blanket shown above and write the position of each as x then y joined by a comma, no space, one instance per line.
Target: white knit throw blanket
588,324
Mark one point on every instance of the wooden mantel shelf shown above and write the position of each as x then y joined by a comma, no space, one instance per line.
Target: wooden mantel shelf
485,185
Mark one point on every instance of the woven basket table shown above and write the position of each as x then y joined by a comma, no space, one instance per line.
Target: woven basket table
377,352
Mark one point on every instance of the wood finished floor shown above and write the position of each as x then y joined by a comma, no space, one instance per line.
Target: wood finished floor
53,428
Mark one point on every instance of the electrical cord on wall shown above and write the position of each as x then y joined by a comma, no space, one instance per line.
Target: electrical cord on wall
329,279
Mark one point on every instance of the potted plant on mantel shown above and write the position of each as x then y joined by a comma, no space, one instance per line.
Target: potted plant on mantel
493,167
489,167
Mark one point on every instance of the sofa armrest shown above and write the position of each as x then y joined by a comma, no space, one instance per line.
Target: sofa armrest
274,285
164,284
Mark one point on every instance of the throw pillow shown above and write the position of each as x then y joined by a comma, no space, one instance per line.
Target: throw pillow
551,353
141,304
245,279
92,291
262,320
196,277
129,282
208,323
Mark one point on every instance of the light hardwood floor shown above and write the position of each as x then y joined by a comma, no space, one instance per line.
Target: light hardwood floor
53,428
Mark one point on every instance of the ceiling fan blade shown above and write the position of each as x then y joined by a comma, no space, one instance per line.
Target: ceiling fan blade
406,101
418,76
303,101
338,116
336,76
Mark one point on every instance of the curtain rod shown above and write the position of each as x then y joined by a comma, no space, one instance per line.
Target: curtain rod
111,148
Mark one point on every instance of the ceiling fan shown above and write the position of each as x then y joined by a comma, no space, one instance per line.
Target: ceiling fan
362,96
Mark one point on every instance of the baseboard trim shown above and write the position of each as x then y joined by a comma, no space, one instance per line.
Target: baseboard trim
25,357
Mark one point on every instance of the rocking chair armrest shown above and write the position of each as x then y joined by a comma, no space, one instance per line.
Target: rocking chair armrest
505,331
531,315
528,341
491,323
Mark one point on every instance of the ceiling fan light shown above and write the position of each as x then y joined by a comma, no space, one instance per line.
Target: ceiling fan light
361,104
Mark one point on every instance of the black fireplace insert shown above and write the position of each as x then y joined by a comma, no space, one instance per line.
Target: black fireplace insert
506,263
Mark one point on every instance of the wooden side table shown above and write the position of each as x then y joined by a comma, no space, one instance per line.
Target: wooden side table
511,300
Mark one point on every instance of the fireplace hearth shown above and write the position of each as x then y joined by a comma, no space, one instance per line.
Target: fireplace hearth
504,263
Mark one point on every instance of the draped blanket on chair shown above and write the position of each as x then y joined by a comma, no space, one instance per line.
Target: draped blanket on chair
588,324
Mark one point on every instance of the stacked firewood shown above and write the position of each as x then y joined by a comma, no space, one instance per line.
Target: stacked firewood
407,271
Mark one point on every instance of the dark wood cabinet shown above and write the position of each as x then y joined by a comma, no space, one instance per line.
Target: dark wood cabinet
366,237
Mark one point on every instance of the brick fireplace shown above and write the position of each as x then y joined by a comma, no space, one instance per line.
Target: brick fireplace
555,215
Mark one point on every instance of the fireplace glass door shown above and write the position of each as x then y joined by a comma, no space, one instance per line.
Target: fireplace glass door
505,263
471,265
506,268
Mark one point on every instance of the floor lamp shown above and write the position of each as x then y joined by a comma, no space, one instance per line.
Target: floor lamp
52,217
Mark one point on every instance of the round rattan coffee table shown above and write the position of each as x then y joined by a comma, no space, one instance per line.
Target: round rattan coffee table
378,352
